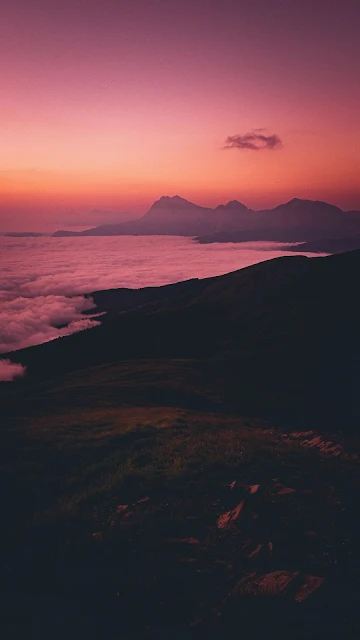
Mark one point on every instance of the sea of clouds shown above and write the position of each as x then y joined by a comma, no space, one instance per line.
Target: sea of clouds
43,280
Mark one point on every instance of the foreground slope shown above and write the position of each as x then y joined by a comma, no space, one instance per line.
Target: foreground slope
135,522
152,482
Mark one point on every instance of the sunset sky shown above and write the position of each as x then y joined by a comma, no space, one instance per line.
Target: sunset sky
109,104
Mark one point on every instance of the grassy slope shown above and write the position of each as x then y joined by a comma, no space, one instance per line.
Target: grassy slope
115,477
75,561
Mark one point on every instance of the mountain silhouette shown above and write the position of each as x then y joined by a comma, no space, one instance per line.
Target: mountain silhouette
176,216
295,221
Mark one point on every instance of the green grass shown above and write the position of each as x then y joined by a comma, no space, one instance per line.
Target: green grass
103,496
88,456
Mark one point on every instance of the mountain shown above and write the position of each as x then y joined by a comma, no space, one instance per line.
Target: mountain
285,328
191,465
327,245
174,216
295,221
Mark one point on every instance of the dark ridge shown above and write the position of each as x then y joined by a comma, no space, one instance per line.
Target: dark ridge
289,325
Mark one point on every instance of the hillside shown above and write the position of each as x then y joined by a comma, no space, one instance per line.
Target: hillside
295,221
190,466
288,324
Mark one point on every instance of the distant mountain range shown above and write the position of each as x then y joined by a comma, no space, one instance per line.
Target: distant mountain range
295,221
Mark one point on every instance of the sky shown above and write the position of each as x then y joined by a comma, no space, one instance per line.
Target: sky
106,105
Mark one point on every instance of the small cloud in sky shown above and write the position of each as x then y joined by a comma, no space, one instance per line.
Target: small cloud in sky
10,370
256,140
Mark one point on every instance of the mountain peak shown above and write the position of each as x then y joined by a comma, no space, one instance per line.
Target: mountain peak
316,205
170,201
232,205
302,201
235,204
172,205
299,201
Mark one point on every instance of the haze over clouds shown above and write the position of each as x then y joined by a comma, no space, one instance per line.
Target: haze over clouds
42,280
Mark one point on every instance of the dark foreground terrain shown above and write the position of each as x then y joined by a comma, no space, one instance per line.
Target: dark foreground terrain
190,468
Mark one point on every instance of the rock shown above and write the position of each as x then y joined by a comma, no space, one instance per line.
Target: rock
256,552
226,519
121,507
253,488
270,584
310,585
286,491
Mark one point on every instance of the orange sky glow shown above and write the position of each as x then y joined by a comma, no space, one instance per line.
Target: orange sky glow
109,105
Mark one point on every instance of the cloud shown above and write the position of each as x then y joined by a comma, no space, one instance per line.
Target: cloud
255,141
43,280
10,370
28,321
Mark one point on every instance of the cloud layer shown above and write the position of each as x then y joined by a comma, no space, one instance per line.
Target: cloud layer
29,321
10,370
255,141
43,280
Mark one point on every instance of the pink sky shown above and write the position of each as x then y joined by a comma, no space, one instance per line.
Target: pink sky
107,104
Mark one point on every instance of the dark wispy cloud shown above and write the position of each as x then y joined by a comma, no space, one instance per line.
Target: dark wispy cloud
256,140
